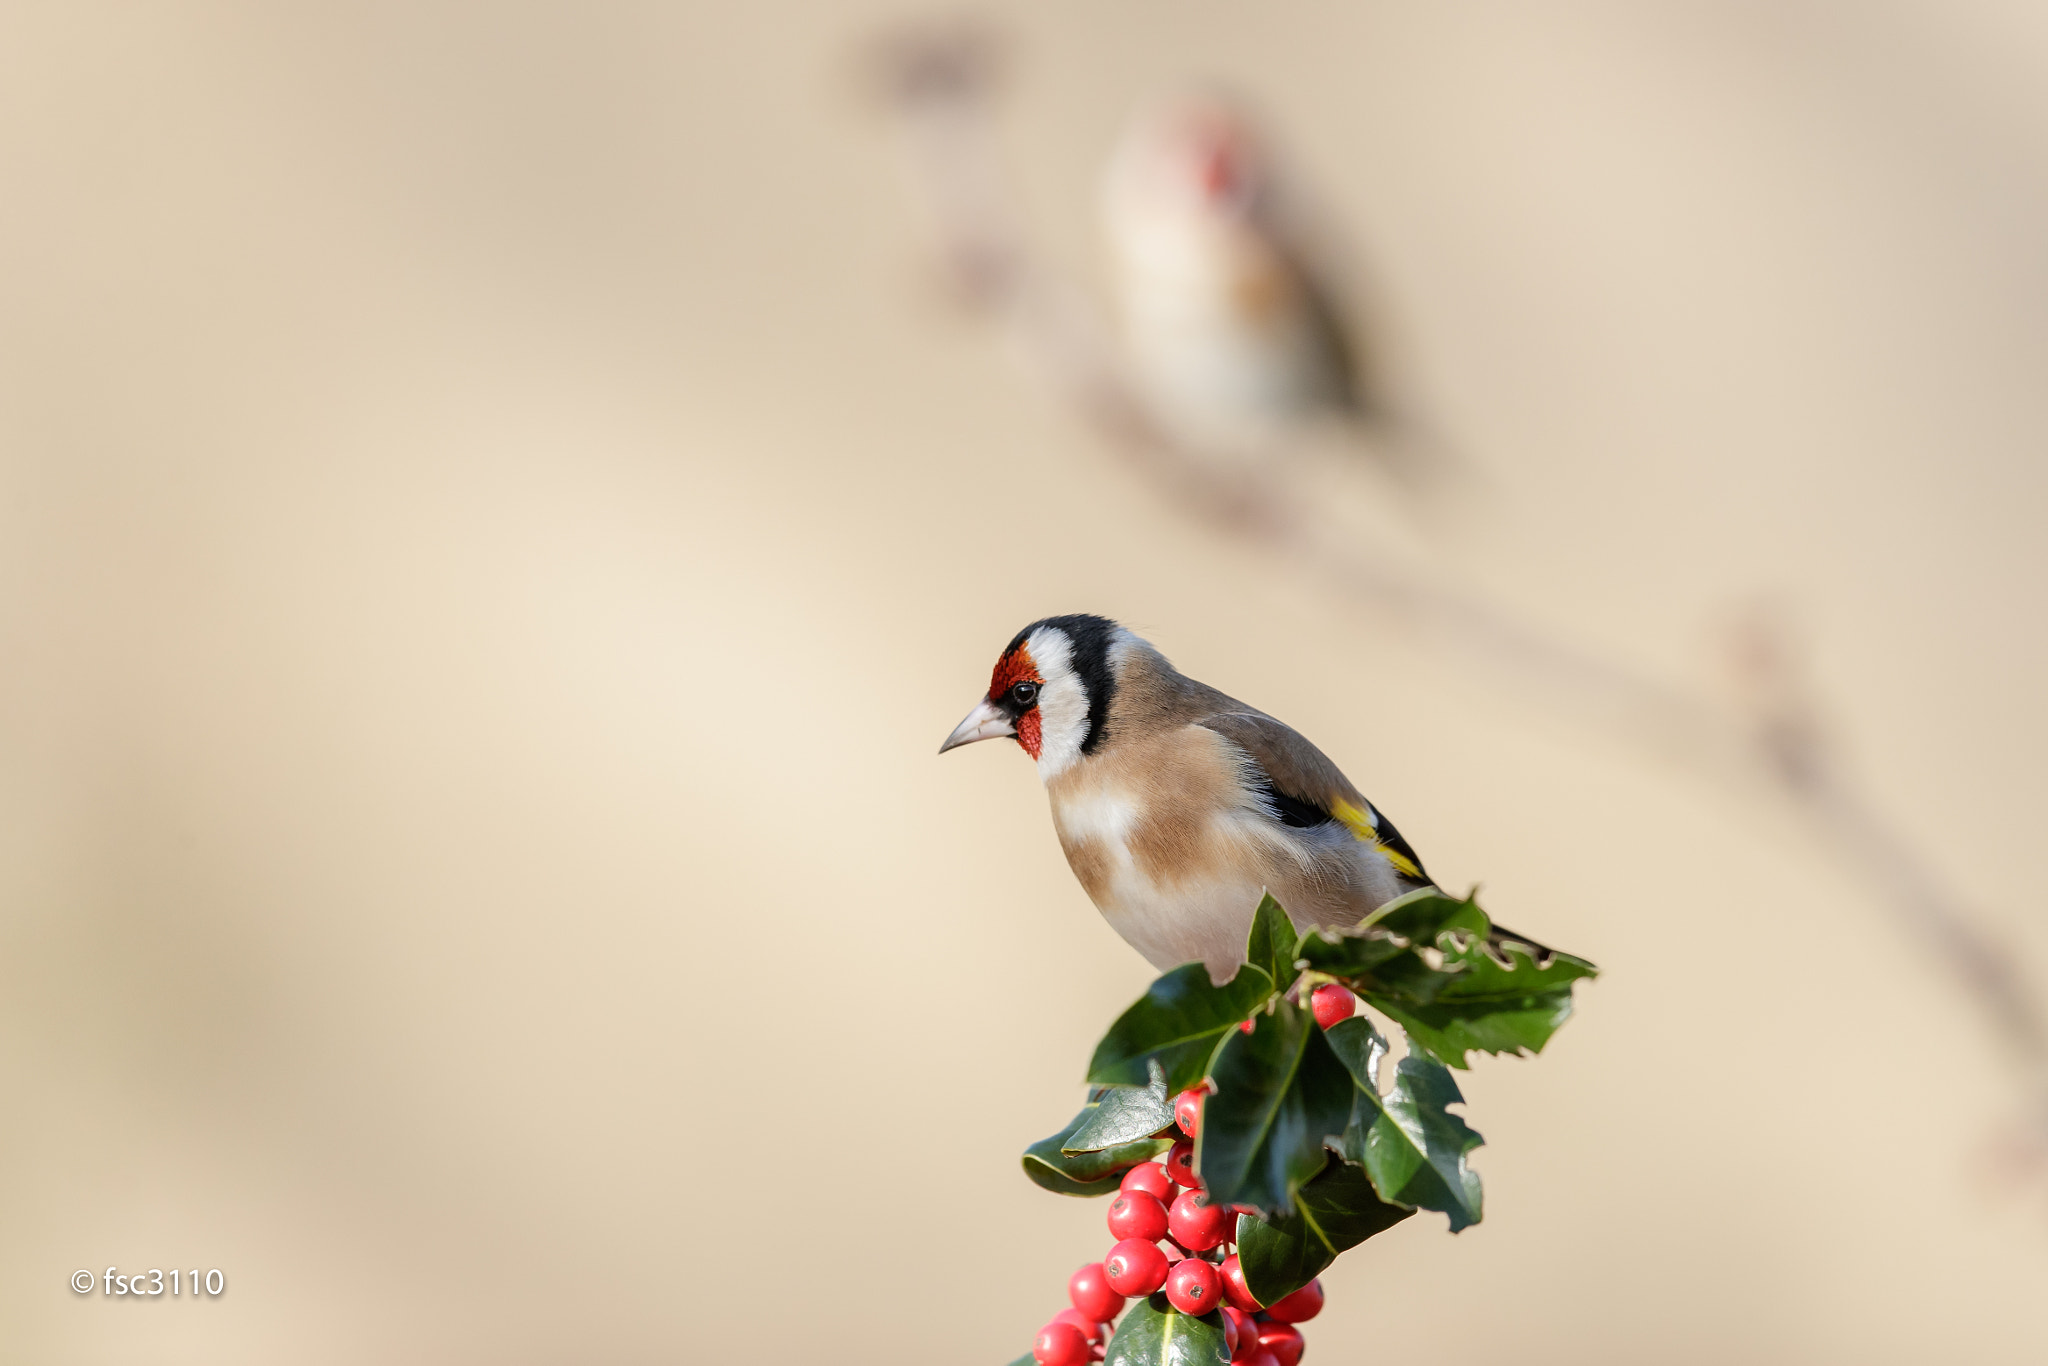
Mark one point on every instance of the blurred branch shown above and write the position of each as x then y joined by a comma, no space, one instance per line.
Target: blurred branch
940,84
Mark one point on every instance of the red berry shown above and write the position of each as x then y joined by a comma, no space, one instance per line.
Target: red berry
1261,1357
1283,1340
1332,1003
1173,1253
1135,1214
1150,1178
1135,1267
1241,1332
1234,1288
1198,1226
1194,1287
1060,1344
1089,1289
1090,1329
1180,1165
1249,1025
1303,1305
1187,1109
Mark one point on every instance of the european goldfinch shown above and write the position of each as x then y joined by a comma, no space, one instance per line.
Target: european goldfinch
1178,806
1232,339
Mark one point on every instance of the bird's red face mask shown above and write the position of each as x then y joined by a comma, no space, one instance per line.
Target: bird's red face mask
1011,707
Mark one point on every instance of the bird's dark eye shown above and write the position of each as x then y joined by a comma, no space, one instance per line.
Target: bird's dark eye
1024,694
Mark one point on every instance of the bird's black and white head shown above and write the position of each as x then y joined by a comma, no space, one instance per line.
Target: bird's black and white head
1052,690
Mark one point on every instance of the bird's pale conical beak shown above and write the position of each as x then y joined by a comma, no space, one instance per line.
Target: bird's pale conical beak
985,722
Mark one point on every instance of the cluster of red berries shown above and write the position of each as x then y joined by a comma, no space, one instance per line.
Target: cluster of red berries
1169,1238
1170,1246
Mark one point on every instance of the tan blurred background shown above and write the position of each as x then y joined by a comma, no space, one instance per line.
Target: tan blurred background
496,520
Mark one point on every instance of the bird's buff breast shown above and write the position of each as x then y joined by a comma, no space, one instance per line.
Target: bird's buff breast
1162,873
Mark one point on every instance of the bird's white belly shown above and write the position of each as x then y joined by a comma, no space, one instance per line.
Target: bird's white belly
1202,368
1210,366
1171,926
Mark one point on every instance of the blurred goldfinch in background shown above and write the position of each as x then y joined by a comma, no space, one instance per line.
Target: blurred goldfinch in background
1234,340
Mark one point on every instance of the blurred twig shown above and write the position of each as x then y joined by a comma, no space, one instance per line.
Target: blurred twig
940,84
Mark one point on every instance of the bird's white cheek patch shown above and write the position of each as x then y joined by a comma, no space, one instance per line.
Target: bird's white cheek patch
1062,704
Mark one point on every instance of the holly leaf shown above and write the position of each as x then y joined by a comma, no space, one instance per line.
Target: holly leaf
1494,998
1122,1114
1280,1093
1177,1024
1434,963
1408,1142
1271,943
1334,1213
1154,1333
1361,1049
1026,1360
1097,1172
1389,933
1414,1148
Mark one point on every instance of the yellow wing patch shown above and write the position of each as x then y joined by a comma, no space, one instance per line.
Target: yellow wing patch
1366,827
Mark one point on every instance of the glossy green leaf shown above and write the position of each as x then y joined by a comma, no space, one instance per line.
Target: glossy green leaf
1177,1024
1271,943
1410,1145
1361,1049
1335,1212
1086,1173
1390,933
1026,1360
1123,1114
1154,1333
1488,1006
1509,970
1415,1149
1428,961
1423,915
1280,1094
